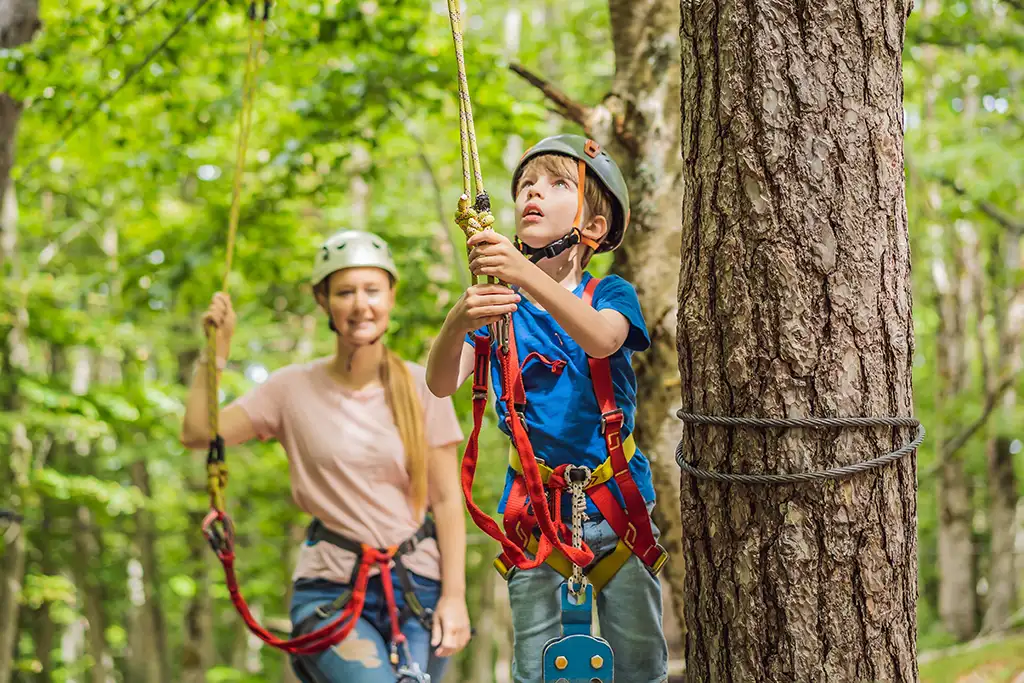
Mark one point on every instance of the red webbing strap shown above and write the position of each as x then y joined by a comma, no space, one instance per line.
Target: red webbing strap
397,637
512,389
481,369
636,531
512,376
326,636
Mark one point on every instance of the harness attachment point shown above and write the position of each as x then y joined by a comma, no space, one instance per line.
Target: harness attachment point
612,418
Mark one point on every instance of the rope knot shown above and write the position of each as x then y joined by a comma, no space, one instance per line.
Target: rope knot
471,221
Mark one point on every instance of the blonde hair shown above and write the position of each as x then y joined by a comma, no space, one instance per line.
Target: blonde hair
596,200
402,396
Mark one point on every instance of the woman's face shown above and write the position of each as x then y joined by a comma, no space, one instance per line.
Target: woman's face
359,301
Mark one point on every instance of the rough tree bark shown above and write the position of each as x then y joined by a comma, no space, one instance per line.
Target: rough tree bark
19,21
638,121
794,301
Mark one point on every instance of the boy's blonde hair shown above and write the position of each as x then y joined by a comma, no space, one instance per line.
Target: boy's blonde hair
596,199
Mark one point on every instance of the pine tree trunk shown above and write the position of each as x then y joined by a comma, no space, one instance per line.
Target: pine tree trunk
795,301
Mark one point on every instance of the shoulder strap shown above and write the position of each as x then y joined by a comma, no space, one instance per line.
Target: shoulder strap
635,529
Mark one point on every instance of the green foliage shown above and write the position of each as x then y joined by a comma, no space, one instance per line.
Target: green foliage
122,234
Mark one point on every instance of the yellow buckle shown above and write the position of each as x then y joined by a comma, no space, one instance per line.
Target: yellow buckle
660,563
501,567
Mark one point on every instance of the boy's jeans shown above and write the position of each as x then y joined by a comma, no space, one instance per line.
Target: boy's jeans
629,610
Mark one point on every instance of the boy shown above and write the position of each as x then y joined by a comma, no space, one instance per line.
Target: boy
571,201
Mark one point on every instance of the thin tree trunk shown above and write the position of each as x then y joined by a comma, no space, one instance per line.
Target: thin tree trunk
153,638
639,123
84,566
795,301
19,21
1002,577
198,653
14,482
44,631
957,594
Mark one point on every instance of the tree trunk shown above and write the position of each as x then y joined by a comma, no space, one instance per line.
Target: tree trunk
153,638
795,301
1002,480
14,475
45,629
957,594
640,122
1002,581
198,650
19,21
87,559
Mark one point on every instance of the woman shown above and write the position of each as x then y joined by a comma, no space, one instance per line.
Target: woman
369,450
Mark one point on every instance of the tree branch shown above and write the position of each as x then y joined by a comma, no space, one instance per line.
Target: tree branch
995,213
991,400
442,216
566,106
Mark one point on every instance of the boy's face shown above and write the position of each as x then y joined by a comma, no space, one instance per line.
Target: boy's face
545,207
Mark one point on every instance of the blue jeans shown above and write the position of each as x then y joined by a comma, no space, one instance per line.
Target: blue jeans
628,607
363,657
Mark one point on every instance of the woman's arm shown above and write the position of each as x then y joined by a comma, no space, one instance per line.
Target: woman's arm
234,424
451,619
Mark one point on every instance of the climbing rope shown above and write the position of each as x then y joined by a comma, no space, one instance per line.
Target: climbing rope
472,219
216,467
798,422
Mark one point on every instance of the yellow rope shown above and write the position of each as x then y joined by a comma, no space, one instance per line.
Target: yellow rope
472,217
216,470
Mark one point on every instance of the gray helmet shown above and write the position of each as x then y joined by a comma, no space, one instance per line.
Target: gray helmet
352,249
600,164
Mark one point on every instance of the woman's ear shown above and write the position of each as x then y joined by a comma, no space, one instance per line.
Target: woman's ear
320,294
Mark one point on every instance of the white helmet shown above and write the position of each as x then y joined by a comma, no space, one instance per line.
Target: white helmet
352,249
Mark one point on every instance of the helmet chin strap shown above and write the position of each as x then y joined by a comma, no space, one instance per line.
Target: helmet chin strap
537,254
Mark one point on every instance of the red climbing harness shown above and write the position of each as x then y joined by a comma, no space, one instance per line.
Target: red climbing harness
522,520
351,609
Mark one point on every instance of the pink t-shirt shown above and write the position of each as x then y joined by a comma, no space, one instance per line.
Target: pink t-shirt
347,461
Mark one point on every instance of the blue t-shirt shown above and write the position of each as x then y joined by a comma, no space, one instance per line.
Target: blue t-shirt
562,415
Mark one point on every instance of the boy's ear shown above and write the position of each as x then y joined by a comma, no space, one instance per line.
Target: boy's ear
596,228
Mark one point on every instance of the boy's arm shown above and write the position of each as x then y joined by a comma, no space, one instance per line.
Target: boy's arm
450,362
599,333
451,358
